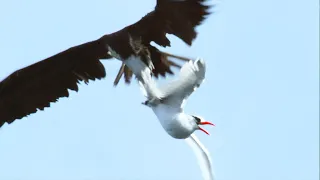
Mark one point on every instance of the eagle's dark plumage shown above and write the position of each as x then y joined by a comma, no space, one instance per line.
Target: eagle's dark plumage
34,87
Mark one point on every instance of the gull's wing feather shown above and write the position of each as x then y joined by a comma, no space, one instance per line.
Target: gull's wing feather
143,74
203,156
174,93
192,74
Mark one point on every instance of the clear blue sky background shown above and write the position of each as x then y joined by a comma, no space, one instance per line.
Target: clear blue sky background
261,92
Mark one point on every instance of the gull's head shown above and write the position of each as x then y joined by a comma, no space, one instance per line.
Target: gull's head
200,121
146,103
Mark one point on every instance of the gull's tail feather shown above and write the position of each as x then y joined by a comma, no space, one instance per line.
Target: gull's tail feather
203,156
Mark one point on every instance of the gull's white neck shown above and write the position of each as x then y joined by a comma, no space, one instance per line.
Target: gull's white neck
176,123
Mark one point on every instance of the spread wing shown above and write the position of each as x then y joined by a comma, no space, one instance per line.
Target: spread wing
147,84
33,88
192,74
202,155
175,92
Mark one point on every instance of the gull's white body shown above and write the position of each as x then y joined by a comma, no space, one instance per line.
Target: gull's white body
177,124
167,104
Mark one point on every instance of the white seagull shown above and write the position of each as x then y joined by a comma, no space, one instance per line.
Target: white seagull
167,103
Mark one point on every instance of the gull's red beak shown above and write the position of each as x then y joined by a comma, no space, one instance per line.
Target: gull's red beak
205,123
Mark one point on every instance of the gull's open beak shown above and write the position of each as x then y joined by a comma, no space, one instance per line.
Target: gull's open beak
205,123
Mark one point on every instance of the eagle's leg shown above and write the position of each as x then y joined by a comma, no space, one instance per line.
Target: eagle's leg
175,56
113,53
120,73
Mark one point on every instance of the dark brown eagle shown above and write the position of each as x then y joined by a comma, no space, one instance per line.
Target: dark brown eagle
34,87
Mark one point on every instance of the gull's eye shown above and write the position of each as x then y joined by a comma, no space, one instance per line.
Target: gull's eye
197,119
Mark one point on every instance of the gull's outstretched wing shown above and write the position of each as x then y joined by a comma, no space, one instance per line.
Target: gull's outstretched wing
203,156
175,92
144,75
192,74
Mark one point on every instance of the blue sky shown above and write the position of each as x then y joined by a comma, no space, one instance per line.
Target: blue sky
261,91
